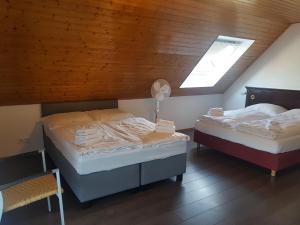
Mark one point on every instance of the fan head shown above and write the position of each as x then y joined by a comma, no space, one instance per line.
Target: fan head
160,89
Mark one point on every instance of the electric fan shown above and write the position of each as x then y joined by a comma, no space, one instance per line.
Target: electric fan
160,90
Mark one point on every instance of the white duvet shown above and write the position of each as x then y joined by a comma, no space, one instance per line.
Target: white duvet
111,142
234,117
131,133
280,126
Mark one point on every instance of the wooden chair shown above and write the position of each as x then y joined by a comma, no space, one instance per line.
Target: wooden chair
31,189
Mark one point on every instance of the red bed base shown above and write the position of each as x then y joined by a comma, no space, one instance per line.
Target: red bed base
274,162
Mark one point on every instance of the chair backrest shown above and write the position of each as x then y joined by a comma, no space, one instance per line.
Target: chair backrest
1,205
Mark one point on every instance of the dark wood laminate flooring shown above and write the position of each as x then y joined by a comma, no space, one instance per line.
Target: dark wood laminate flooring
216,189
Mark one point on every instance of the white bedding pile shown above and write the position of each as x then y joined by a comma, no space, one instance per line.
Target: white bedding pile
271,129
97,137
143,130
234,117
135,126
262,120
109,143
283,125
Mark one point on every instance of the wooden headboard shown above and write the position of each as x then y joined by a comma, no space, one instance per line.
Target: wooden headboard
61,107
289,99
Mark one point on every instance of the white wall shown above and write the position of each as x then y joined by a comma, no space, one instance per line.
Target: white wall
20,129
278,67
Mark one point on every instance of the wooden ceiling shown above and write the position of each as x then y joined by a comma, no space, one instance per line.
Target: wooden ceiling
65,50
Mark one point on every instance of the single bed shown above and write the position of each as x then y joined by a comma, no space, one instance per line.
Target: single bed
271,154
100,175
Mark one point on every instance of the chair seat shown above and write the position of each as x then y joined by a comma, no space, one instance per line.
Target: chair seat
29,191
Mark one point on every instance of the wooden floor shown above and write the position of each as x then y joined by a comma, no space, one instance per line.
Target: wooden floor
216,189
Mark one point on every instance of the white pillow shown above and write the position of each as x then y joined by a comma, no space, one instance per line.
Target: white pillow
267,108
108,115
65,119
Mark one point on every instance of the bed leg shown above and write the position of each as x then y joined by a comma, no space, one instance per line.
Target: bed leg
273,173
179,178
198,146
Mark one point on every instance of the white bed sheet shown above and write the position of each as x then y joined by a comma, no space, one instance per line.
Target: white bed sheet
90,163
267,145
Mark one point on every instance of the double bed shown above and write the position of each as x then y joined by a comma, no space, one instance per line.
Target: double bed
92,176
271,154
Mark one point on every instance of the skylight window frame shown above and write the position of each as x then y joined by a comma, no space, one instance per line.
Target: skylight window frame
206,73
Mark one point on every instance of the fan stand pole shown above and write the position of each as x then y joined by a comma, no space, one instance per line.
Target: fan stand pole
157,110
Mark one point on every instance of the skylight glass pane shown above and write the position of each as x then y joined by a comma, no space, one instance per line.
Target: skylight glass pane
219,58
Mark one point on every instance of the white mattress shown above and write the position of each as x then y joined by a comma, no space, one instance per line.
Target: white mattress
127,156
267,145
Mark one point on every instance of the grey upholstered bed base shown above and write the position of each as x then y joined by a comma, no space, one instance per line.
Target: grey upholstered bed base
100,184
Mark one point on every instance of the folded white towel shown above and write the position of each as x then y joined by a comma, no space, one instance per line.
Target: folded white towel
165,123
165,126
216,112
161,129
222,121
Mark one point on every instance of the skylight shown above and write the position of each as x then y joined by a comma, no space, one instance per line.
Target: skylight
219,58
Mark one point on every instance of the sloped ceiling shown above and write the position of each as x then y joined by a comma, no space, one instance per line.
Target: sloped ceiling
65,50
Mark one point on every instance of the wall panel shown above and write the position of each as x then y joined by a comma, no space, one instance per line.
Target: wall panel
64,50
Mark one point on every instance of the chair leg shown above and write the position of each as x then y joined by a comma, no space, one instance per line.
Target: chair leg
59,195
61,209
49,204
42,151
1,206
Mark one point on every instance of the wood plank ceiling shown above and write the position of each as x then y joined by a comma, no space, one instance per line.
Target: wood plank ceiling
65,50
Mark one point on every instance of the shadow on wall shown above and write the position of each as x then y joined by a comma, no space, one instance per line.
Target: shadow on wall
34,141
139,107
